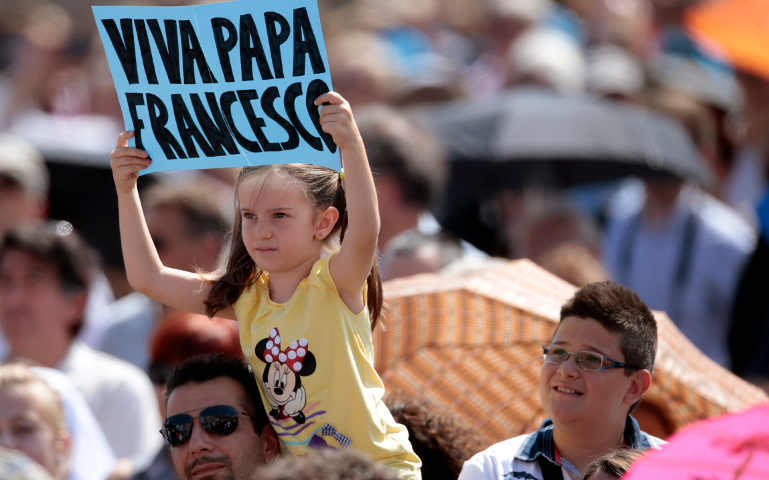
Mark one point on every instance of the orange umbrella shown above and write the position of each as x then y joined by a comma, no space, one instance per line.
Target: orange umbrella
739,28
471,344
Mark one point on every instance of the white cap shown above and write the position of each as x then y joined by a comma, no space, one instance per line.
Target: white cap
612,69
23,164
531,11
550,54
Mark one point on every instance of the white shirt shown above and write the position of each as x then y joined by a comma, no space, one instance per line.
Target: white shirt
121,398
499,462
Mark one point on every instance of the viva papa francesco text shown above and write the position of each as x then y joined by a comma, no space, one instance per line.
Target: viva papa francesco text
219,134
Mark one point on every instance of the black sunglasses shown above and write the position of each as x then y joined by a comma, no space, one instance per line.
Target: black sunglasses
219,420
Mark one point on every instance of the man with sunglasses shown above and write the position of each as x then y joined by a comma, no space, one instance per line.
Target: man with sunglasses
215,422
594,371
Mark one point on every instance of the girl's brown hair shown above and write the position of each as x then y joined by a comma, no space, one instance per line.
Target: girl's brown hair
615,463
323,187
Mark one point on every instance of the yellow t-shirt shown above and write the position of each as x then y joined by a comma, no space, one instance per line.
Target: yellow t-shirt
314,363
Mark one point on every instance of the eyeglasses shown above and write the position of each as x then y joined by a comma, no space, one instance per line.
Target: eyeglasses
219,420
586,360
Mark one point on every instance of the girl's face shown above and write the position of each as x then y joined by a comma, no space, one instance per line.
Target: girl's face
24,427
282,230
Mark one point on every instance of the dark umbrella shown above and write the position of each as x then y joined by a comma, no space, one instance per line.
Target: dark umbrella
534,137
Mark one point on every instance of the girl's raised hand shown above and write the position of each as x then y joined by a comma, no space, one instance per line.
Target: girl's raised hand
126,162
337,120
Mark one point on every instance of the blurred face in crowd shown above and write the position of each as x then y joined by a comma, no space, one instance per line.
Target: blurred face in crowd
17,205
218,457
176,245
176,248
36,313
27,424
573,396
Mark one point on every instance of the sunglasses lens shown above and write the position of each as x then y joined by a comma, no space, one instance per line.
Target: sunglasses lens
589,360
177,429
219,420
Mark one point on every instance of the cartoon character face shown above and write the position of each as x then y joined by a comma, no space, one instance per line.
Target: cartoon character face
280,383
281,378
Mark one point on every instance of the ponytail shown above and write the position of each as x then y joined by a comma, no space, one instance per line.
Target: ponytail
374,294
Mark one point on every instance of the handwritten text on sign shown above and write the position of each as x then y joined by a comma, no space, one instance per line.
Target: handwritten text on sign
221,85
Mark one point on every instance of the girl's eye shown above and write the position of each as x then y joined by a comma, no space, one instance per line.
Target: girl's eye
279,215
248,216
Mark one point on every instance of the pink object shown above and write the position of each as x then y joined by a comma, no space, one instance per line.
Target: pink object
730,447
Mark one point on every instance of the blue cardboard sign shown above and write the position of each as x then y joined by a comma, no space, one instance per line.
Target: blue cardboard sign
221,85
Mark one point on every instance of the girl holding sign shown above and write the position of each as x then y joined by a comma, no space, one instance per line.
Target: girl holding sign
302,282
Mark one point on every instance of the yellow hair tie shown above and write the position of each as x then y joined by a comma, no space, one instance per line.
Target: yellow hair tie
341,174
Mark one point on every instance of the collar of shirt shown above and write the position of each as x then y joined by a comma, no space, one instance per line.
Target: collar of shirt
541,442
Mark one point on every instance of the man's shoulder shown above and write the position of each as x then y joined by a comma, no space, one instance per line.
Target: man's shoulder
104,368
495,461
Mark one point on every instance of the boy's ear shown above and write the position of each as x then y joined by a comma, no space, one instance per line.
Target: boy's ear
640,381
325,222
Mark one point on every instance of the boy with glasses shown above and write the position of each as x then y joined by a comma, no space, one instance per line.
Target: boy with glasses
215,421
595,370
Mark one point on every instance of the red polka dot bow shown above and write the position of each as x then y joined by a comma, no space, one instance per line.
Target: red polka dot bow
291,355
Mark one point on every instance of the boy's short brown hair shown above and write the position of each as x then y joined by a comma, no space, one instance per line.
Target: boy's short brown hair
619,310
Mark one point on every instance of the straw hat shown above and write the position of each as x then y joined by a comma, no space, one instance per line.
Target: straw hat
471,343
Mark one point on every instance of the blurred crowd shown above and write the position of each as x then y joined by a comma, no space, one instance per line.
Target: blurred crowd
691,241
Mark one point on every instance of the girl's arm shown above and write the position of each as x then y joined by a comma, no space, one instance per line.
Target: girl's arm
351,266
146,273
